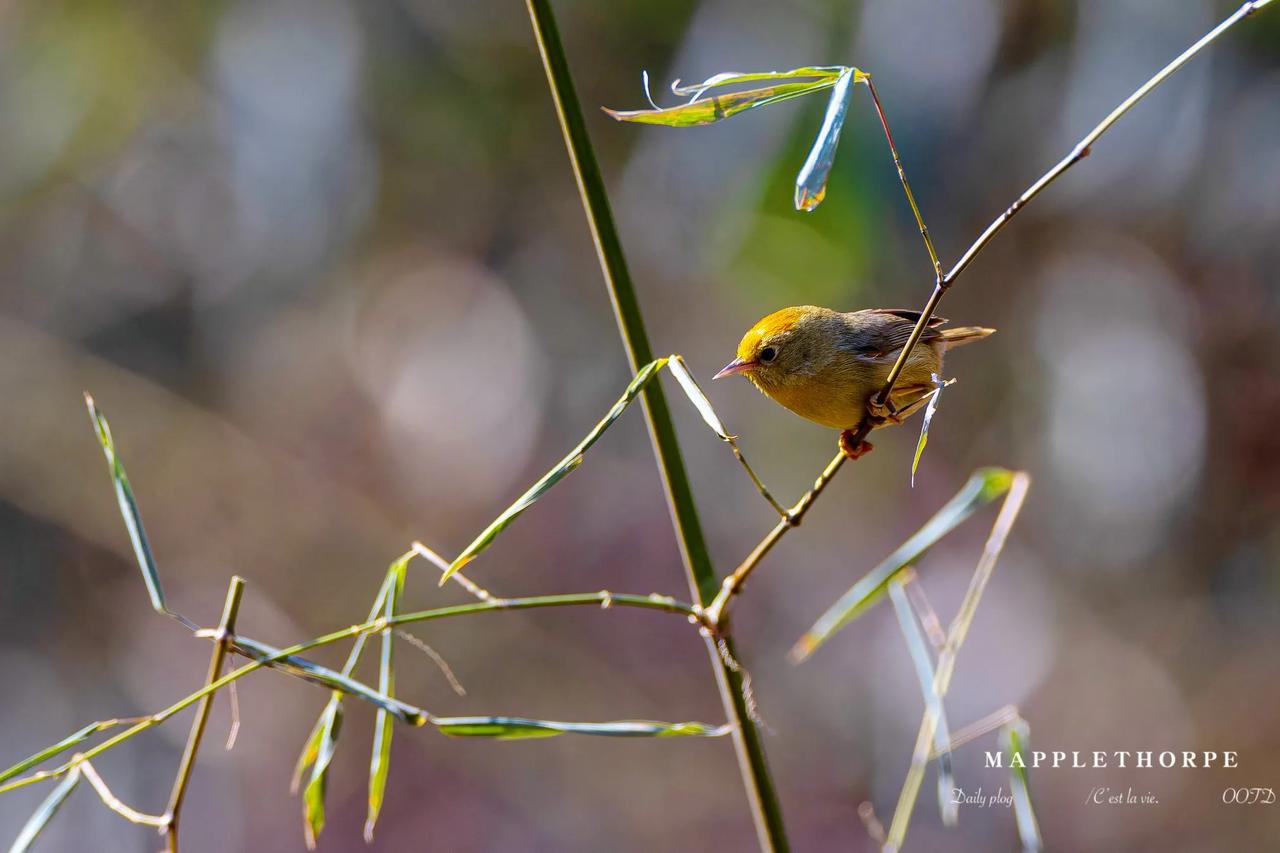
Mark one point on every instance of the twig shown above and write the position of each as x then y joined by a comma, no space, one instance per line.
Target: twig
226,628
234,730
443,565
924,610
117,805
1000,717
436,658
732,585
906,187
1078,153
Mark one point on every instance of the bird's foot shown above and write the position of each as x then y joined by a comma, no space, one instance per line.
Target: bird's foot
851,450
884,413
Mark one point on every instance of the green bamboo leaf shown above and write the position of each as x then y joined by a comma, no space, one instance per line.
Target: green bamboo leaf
562,469
811,181
59,747
919,649
325,677
1015,737
44,813
517,728
984,486
706,110
129,509
732,78
380,762
310,749
929,411
717,107
696,396
313,797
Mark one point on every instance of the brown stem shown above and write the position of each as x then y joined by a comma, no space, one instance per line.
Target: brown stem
226,628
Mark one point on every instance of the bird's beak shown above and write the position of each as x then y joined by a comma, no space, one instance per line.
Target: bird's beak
738,365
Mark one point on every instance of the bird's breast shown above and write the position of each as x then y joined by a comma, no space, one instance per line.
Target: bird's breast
835,397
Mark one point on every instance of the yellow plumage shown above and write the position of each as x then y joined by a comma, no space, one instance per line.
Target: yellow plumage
826,365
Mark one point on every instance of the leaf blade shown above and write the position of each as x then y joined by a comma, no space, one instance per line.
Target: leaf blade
313,672
380,760
811,180
692,390
129,509
44,813
706,110
313,812
61,746
1023,812
518,728
983,486
929,411
919,649
562,469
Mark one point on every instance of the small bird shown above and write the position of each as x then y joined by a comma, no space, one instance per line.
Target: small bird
826,366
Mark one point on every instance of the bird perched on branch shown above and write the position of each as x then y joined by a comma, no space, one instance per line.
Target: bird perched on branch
827,366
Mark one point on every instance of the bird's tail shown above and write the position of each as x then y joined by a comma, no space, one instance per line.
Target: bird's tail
963,335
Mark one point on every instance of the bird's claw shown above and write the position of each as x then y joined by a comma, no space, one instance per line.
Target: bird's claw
886,412
851,450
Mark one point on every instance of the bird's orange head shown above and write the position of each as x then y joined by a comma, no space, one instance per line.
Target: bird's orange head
779,344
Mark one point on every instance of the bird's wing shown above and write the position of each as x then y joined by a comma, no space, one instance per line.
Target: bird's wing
892,328
910,315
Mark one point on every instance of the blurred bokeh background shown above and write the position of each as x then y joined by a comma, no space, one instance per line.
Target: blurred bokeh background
323,265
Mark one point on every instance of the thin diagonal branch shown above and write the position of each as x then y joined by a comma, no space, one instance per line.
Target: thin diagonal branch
1078,153
906,187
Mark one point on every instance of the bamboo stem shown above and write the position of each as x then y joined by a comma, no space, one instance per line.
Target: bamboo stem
226,630
765,808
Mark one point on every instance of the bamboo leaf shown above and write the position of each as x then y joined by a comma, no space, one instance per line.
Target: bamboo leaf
59,747
811,182
696,396
718,107
380,762
919,649
706,110
984,486
731,78
129,509
310,750
316,674
562,469
929,411
1015,736
313,797
45,812
518,728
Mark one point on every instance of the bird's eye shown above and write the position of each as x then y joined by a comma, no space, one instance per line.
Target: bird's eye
768,354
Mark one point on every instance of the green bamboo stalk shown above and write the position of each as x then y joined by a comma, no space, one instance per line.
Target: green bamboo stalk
765,808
